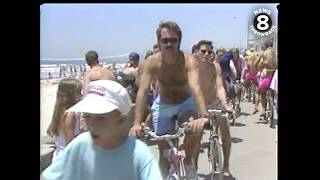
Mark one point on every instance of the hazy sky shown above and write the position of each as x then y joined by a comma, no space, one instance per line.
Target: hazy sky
70,30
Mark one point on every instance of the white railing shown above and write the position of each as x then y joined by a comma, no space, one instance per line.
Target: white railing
105,57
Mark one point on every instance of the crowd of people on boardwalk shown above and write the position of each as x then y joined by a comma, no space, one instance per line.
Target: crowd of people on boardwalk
96,122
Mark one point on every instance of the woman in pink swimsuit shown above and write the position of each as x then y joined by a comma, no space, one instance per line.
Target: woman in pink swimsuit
250,73
268,64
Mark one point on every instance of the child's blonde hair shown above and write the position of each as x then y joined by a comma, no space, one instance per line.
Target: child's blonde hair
68,94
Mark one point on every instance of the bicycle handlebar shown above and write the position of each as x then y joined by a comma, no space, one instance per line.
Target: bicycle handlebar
180,131
220,111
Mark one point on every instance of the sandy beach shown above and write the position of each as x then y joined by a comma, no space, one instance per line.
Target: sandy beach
48,90
47,99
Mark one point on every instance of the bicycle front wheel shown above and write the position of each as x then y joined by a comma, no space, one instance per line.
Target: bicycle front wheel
271,111
238,109
172,177
181,170
253,94
233,116
215,157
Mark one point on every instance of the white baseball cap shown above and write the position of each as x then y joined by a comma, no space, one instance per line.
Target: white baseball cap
104,96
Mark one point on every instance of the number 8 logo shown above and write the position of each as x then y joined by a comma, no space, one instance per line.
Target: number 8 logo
262,20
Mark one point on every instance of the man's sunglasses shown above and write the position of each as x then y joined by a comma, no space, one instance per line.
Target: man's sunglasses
206,51
169,40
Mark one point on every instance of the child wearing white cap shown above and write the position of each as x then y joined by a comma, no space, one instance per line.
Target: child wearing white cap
105,151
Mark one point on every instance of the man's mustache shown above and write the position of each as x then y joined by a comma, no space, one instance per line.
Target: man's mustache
168,47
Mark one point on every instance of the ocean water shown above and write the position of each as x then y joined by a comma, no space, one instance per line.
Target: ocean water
79,62
54,68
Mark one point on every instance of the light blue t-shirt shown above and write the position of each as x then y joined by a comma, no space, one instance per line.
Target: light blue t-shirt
82,160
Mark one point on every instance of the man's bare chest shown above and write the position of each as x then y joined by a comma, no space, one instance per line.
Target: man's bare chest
172,76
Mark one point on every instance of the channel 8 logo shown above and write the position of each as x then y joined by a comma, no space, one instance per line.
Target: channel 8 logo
262,22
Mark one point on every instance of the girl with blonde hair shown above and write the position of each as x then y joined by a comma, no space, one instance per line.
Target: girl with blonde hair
251,69
268,64
65,126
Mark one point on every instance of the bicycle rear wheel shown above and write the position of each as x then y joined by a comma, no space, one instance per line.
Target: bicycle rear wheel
215,158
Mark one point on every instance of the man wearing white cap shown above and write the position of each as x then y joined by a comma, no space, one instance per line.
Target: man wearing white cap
105,152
